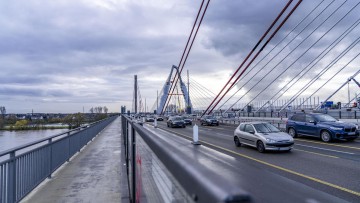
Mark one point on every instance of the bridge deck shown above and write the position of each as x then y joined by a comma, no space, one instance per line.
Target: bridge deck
94,175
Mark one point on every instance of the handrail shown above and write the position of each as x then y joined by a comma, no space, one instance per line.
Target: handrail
193,178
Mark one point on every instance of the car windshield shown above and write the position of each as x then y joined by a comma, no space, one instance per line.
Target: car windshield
324,118
266,128
177,118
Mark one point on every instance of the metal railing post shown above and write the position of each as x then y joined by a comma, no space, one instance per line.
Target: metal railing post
51,155
127,145
133,162
12,178
69,153
339,114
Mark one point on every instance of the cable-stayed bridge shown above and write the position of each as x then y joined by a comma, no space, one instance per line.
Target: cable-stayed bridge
128,160
299,69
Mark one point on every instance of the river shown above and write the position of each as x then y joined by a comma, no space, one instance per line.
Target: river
11,139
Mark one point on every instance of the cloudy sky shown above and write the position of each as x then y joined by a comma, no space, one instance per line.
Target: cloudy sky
65,56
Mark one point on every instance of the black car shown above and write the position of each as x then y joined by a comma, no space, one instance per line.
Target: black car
321,125
175,121
209,120
188,121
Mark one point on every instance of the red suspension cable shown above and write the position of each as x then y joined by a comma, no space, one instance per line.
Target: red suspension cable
247,57
172,87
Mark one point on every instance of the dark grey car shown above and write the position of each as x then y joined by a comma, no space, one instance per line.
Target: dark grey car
209,120
176,121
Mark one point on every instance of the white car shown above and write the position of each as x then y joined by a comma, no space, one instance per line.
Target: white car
263,136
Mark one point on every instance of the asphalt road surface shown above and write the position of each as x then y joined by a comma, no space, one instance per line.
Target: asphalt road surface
332,168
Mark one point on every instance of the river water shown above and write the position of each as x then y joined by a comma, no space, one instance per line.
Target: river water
11,139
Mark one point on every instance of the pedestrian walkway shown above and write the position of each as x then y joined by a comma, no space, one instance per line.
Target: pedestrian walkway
94,175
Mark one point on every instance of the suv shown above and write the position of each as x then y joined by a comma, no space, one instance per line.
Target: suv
320,125
175,121
209,120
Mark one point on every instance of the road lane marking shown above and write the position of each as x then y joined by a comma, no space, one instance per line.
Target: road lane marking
328,144
210,128
222,134
278,167
325,149
335,157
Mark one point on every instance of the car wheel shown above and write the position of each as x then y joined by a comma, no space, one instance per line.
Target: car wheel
292,132
325,136
260,147
201,123
184,126
168,125
237,142
217,124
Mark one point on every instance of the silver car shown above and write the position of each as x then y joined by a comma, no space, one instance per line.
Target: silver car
263,136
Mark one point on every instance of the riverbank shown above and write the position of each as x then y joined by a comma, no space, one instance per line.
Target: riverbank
36,127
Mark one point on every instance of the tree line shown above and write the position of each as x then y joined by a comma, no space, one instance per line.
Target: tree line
71,120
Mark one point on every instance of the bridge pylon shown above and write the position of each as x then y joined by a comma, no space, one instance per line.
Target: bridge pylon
166,92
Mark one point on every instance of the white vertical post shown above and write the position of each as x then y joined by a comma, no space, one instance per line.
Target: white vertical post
195,135
155,123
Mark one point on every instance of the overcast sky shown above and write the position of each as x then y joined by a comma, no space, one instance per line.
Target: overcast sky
63,56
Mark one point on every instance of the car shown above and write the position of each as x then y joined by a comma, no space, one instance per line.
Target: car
322,126
149,119
187,120
175,121
262,135
159,118
209,120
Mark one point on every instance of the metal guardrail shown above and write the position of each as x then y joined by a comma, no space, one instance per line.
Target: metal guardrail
197,183
338,114
26,166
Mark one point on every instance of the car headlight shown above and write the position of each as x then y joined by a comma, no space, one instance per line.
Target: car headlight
208,120
335,128
270,140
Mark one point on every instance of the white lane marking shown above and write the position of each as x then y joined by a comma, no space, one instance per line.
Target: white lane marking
222,134
324,149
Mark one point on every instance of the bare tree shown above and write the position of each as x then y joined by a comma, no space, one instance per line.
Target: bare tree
105,109
3,111
91,110
100,109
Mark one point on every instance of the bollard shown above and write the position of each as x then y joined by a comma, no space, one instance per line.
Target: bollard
155,123
195,135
